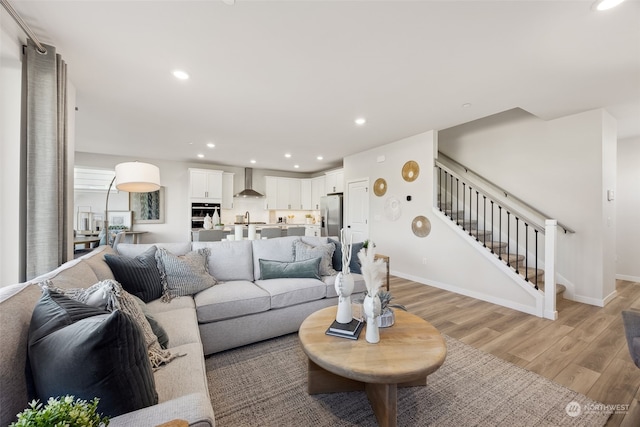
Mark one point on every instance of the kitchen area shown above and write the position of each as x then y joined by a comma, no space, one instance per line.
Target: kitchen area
299,206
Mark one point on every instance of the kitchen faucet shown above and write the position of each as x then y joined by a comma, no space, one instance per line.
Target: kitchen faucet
246,215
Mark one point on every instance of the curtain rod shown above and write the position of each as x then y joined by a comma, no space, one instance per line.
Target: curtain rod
23,25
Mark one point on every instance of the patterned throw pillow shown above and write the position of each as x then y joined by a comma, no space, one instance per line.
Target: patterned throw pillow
87,352
304,251
139,275
354,264
184,275
110,296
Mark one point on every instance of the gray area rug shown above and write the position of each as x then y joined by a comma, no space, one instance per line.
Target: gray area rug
264,384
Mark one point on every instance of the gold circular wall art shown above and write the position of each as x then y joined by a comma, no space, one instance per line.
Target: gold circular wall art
380,187
421,226
410,171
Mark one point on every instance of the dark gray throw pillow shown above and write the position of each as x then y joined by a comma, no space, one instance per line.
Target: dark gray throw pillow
354,264
87,352
139,276
282,270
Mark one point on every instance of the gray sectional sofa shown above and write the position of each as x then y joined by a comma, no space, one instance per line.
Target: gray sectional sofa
239,310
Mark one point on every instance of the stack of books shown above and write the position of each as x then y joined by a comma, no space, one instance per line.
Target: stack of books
349,330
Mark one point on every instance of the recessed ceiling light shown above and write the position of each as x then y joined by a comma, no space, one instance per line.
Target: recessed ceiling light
360,121
296,166
466,105
606,4
229,2
211,145
287,155
252,161
319,157
201,155
181,75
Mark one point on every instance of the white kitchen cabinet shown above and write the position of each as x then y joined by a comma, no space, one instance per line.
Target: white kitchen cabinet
318,189
227,191
306,194
283,193
271,185
312,230
334,181
205,185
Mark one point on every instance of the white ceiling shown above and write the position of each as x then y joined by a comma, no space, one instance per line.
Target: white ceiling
269,77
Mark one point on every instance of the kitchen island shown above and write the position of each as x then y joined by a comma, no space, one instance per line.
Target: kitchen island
310,229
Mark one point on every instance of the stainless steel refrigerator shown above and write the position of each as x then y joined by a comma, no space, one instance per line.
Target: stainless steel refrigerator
331,214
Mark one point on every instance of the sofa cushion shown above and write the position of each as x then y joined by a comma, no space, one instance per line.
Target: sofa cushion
229,260
139,275
184,275
95,260
159,306
231,299
185,375
97,354
287,292
354,264
278,249
181,327
79,275
308,268
325,251
108,295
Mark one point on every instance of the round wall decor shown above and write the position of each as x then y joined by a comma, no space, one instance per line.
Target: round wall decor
410,171
421,226
392,208
380,187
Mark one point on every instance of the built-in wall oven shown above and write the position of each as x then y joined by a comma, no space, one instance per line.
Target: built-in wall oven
200,210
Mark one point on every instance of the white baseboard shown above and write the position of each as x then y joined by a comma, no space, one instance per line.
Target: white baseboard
477,295
628,278
595,301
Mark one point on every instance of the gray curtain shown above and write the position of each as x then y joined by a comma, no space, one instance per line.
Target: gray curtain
45,151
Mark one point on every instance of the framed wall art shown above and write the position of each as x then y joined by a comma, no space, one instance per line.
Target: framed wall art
147,208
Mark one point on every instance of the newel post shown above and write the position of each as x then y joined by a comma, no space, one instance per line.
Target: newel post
550,240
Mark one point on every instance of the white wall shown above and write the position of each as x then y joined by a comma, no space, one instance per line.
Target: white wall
563,168
452,262
627,208
10,102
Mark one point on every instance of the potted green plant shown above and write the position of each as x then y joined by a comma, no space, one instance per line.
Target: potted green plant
65,411
309,218
387,317
218,226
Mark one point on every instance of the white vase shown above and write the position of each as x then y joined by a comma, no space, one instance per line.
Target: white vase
371,307
208,223
344,287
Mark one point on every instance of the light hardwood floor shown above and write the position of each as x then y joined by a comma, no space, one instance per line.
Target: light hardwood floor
584,349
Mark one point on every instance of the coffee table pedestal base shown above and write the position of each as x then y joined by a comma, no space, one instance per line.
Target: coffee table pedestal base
382,397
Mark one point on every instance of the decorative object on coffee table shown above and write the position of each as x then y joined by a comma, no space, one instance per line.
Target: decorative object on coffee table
387,317
344,282
65,410
372,271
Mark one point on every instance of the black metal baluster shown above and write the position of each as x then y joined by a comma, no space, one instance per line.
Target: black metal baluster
477,214
470,207
484,221
457,201
464,203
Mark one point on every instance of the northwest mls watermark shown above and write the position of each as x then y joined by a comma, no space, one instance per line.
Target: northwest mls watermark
575,409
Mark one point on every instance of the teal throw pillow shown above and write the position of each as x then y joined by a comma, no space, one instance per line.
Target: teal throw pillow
281,270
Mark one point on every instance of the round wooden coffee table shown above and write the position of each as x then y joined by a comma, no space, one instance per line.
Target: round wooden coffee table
407,352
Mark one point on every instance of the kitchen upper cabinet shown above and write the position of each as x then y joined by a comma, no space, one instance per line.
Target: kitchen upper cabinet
306,194
334,181
227,191
206,185
271,184
283,193
318,189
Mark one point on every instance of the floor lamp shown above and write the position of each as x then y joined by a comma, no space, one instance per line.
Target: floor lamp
134,177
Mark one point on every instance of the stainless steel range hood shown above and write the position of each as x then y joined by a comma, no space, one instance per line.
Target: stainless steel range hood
248,186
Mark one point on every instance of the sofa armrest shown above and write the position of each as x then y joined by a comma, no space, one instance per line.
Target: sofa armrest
195,408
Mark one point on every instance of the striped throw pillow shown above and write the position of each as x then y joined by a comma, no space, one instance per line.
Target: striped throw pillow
184,275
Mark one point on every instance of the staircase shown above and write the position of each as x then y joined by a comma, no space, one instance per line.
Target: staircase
515,238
